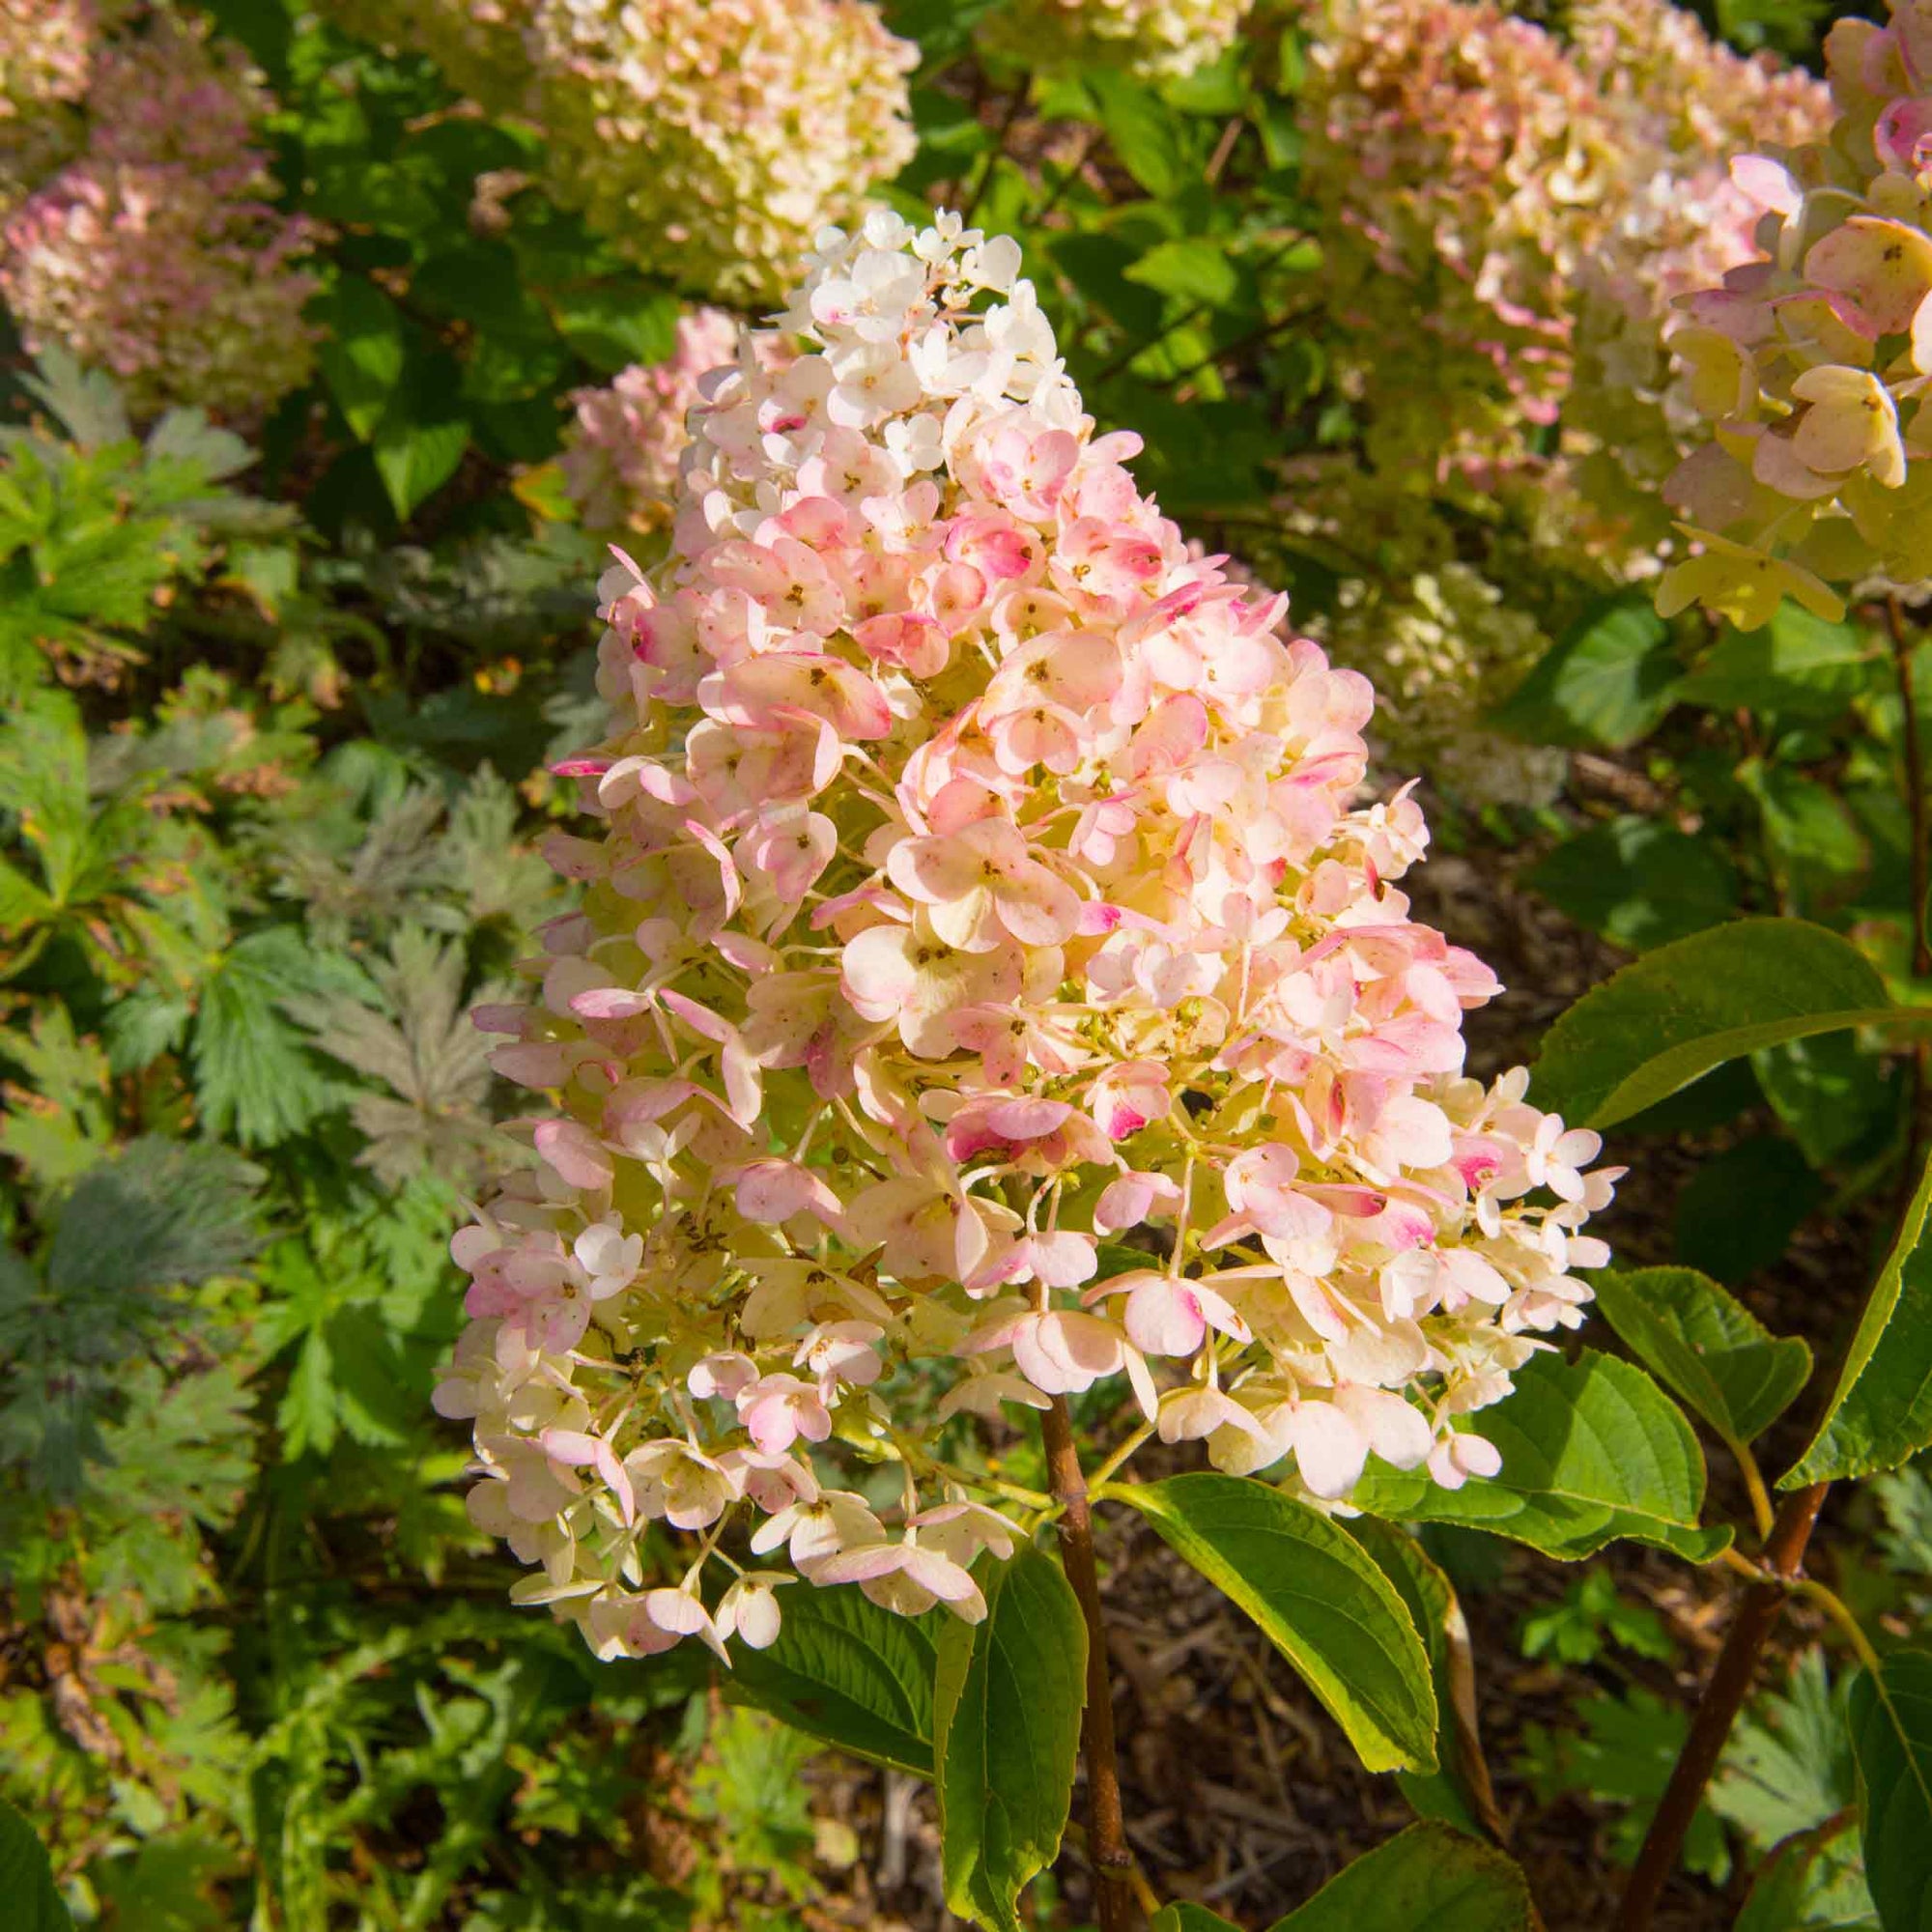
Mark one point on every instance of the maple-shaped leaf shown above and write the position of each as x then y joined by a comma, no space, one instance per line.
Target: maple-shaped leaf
419,1043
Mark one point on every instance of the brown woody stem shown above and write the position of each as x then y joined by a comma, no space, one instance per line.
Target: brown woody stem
1106,1838
1729,1685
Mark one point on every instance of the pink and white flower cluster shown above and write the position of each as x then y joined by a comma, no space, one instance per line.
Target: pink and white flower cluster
620,460
987,986
1152,40
1813,361
1534,202
158,253
708,140
47,58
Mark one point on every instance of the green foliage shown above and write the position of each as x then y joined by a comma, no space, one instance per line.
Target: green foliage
1006,1734
1427,1875
1621,1756
1608,681
1689,1006
1592,1618
1592,1450
1319,1598
26,1879
1881,1412
1459,1789
1706,1347
1890,1714
852,1675
1639,883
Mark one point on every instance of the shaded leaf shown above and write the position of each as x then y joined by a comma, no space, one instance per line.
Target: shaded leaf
1607,681
160,1214
1892,1734
27,1879
1460,1790
1638,883
1736,1215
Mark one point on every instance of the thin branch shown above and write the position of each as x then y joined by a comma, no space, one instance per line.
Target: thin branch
994,153
1724,1695
1106,1837
1915,786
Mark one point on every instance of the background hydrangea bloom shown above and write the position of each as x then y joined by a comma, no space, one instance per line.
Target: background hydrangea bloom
709,140
1812,361
620,463
1150,38
158,253
980,881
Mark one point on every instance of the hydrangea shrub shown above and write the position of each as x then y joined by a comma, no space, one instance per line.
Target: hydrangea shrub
1812,361
1152,40
157,253
709,140
988,985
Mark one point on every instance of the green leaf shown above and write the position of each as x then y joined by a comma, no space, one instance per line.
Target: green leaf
27,1879
1787,1766
1319,1598
1638,883
845,1671
1817,852
1798,665
363,350
1592,1450
1141,129
1429,1878
1182,1916
417,459
1736,1215
1195,266
256,1083
1813,1881
1892,1734
1706,1347
1460,1790
1834,1096
160,1214
1881,1412
611,326
1686,1007
1608,681
1007,1709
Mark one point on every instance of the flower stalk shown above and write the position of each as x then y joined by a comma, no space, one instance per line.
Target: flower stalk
1107,1839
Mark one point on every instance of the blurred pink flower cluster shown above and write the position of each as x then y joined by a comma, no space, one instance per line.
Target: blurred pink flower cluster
157,253
620,460
1528,205
1813,361
987,986
709,140
1153,39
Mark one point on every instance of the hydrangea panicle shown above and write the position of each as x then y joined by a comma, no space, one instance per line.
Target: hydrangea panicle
708,140
158,253
980,880
1152,40
1812,361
